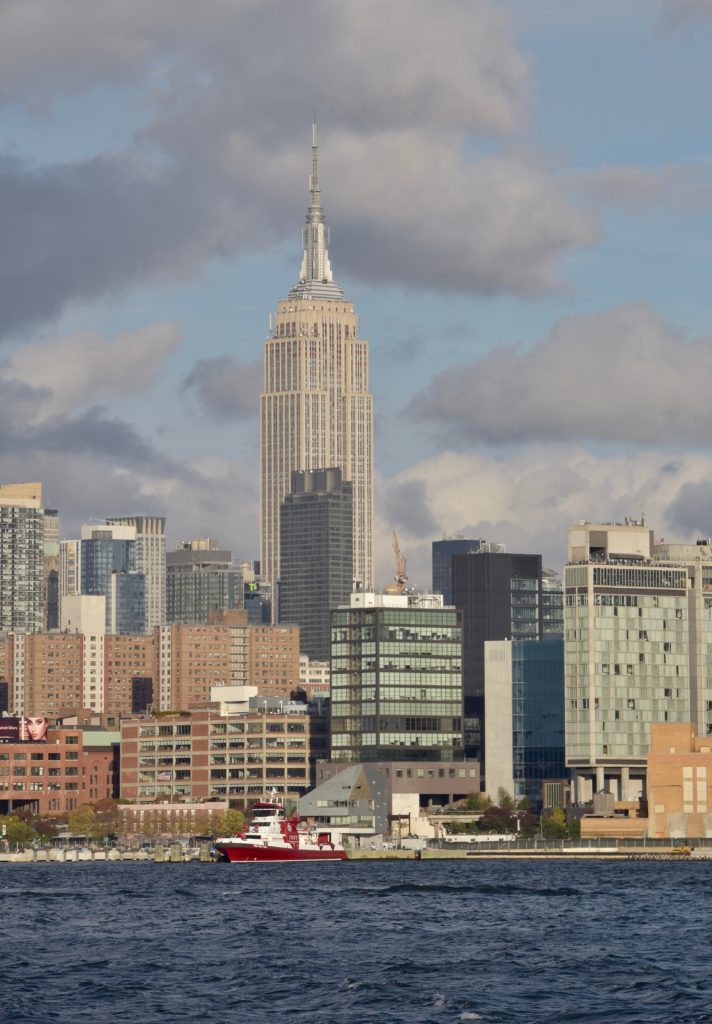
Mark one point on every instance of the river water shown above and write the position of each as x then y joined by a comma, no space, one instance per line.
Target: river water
427,942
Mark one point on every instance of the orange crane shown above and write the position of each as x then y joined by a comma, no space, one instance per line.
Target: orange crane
401,577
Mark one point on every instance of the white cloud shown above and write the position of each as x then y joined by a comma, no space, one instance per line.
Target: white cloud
528,500
220,166
85,368
621,375
211,497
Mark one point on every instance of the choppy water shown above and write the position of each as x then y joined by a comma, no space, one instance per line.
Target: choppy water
423,943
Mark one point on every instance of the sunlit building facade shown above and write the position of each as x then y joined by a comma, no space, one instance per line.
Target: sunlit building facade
316,410
396,679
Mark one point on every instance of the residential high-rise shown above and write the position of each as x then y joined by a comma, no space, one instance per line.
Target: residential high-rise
22,606
396,679
108,568
316,544
316,409
500,596
51,568
552,601
627,654
70,571
200,579
151,561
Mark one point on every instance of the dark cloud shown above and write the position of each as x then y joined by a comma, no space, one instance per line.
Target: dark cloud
635,189
621,375
677,12
90,432
226,389
220,167
94,464
77,231
405,507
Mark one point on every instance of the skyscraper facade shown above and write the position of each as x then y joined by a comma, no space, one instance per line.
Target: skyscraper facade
51,568
22,590
151,561
200,579
499,595
396,679
316,524
637,637
524,697
443,551
316,409
108,568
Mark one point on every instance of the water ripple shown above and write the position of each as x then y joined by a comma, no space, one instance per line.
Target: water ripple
388,942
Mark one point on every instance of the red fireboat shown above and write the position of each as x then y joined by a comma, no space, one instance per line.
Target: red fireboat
273,837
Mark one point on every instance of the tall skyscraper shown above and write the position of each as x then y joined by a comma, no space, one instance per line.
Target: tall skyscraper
499,595
151,561
443,551
524,697
200,579
21,558
108,568
316,523
316,409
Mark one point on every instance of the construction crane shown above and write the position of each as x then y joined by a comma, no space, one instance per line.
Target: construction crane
401,577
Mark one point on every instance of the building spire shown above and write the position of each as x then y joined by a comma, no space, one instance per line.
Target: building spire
314,179
315,276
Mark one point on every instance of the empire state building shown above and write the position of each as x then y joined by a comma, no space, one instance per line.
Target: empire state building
316,410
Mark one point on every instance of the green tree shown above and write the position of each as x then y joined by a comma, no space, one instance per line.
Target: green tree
203,824
16,830
82,821
553,824
149,823
476,802
504,800
230,823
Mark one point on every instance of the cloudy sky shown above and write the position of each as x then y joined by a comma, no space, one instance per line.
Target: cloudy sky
520,201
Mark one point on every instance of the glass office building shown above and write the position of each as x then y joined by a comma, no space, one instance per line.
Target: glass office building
108,568
200,580
396,679
524,706
442,555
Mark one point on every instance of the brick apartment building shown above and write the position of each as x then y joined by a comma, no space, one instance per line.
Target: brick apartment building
172,669
56,775
202,756
274,660
679,782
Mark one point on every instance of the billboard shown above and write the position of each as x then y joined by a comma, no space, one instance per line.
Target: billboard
27,730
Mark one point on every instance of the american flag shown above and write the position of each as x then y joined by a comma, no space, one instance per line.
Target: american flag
164,776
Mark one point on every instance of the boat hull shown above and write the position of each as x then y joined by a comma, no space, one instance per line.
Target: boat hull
246,853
